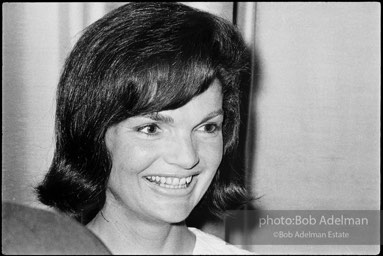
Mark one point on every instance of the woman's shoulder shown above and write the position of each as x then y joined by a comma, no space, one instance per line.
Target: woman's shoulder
210,244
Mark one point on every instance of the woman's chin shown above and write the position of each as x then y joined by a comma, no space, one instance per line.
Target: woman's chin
174,217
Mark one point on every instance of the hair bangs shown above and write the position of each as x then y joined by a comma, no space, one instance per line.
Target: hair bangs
170,84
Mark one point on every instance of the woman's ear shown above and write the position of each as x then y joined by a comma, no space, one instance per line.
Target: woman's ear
110,134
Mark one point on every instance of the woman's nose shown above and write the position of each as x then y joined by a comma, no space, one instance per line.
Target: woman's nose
182,152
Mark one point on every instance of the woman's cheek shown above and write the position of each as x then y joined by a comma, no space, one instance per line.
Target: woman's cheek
212,151
138,157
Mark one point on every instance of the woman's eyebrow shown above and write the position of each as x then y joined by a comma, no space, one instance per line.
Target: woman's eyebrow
212,115
169,120
160,118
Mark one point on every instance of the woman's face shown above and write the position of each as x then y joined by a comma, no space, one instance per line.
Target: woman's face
163,163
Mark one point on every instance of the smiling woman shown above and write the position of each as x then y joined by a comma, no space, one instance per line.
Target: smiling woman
147,120
162,174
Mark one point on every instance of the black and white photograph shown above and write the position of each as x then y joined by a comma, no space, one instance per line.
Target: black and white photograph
191,128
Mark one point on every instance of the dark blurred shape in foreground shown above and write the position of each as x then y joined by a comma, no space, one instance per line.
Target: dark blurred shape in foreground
27,230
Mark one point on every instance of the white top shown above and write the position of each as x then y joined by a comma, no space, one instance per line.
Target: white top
209,244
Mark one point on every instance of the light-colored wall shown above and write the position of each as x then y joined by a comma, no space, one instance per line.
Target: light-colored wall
318,108
318,111
30,73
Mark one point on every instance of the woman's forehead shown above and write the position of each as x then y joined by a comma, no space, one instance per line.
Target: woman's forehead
204,106
208,102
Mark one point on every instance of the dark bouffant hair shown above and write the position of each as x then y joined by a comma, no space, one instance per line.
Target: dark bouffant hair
138,59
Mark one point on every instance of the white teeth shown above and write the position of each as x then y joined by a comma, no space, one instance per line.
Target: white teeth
176,181
171,182
171,186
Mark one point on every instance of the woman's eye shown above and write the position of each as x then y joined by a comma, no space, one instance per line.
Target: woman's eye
211,128
150,129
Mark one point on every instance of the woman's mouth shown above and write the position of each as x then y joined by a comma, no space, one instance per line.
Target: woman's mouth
170,182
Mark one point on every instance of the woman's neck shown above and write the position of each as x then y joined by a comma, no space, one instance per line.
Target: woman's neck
126,233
